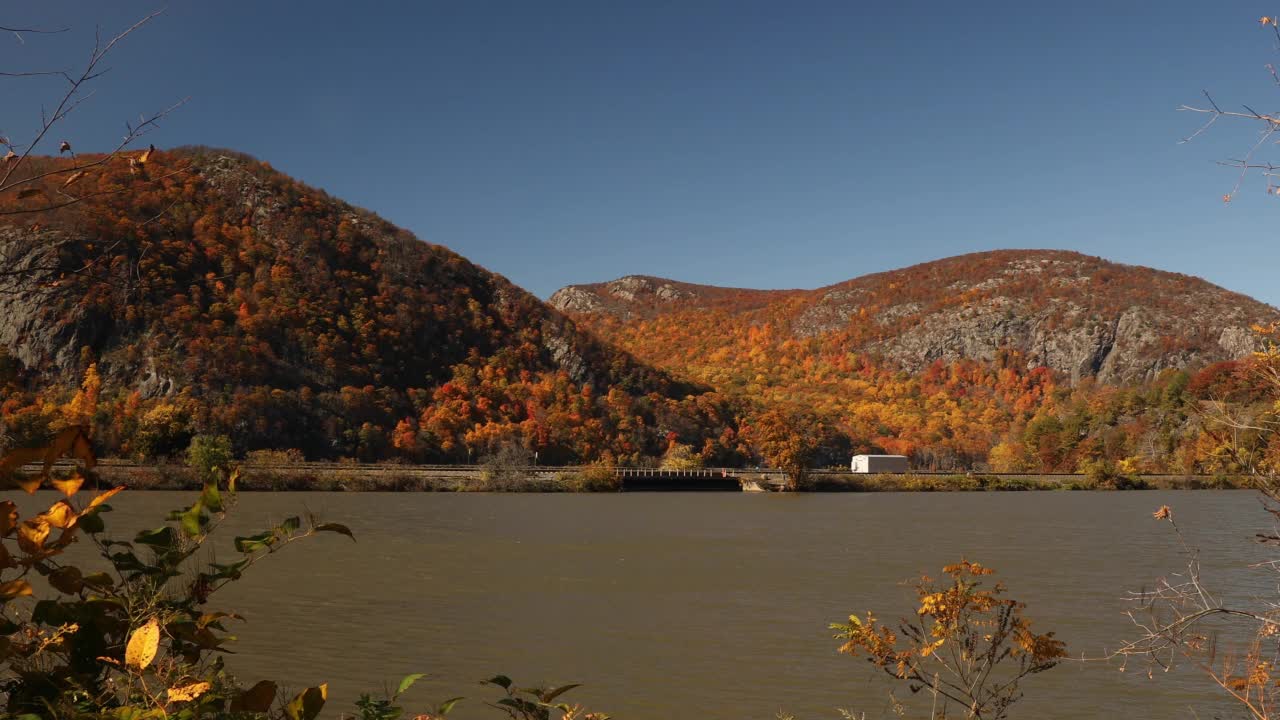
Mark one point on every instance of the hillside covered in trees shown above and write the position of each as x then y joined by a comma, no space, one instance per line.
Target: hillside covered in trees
214,295
205,293
1013,360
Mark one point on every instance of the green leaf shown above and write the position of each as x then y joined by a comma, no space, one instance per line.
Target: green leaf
408,682
230,571
253,543
289,526
447,705
91,523
548,695
335,528
51,613
211,498
127,561
192,519
99,580
161,538
501,681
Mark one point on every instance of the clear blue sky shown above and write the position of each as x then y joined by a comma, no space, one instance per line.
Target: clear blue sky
757,144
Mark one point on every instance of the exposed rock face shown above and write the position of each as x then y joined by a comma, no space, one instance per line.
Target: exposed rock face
575,300
39,323
640,296
1080,316
353,301
625,296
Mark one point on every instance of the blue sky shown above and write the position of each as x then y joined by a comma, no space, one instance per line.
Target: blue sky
754,144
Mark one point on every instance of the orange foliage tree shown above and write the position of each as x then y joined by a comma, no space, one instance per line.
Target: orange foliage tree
969,645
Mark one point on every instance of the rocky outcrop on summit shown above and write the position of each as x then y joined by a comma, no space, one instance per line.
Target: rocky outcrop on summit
1081,316
641,296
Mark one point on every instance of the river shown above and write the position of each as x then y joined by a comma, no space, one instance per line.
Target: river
703,605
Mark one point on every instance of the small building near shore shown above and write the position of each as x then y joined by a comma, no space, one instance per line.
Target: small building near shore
879,464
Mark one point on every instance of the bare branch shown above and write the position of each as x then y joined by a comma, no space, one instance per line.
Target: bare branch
71,99
17,32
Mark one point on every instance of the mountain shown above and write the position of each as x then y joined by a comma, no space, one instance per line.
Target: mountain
1081,316
1015,360
213,294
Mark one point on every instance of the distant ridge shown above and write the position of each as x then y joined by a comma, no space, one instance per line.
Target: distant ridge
1081,316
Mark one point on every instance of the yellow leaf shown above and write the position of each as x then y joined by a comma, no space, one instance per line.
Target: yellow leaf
15,588
32,534
69,486
307,705
60,515
185,693
143,644
104,497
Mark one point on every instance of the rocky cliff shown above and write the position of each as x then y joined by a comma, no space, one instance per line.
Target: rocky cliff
1080,316
242,301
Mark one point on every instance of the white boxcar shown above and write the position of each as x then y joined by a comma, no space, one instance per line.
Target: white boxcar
879,464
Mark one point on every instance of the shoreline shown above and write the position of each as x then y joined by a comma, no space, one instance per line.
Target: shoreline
339,477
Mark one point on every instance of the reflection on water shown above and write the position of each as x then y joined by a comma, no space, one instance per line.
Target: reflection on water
701,605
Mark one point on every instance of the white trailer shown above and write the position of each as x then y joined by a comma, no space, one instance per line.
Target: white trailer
879,464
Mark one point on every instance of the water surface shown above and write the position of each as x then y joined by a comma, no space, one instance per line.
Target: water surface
690,605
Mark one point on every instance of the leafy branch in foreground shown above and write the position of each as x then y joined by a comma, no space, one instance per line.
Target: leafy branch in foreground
970,647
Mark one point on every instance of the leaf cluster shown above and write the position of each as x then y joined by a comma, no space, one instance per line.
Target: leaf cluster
968,644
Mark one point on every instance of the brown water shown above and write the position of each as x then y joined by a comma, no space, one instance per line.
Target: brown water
703,605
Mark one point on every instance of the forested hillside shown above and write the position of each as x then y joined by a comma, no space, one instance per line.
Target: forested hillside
1015,360
214,295
207,294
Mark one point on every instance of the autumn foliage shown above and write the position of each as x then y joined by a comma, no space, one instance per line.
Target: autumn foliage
225,299
219,297
967,644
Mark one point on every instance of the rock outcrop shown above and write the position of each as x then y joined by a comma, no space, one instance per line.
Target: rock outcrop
1081,316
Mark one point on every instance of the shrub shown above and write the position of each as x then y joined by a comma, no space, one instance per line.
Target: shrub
595,478
209,455
969,646
680,457
505,469
1102,475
